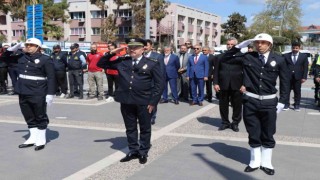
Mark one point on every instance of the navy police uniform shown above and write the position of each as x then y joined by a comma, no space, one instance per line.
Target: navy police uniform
36,80
60,64
260,101
139,86
75,73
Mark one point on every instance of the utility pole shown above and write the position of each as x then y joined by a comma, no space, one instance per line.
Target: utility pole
147,30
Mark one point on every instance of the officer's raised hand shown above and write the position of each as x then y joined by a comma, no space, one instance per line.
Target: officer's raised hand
117,50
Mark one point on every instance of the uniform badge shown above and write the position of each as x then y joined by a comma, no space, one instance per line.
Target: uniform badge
76,58
145,66
273,63
36,61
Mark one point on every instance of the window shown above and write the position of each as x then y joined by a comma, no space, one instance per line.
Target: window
97,14
207,24
214,25
124,13
124,30
77,31
3,32
14,19
17,33
190,35
180,33
199,22
180,18
190,20
77,15
3,20
198,36
96,31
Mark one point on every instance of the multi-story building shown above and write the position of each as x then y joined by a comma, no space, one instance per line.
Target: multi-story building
182,23
310,33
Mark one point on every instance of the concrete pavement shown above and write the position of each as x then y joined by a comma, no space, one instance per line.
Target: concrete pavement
86,140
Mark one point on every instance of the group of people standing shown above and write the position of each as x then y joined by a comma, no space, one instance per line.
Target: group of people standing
247,81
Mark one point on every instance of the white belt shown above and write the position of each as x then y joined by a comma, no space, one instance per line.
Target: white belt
260,97
31,77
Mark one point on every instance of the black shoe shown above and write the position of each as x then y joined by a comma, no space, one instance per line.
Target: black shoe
223,127
200,104
153,121
235,127
80,97
129,157
296,107
90,97
250,169
163,101
176,102
100,98
25,145
143,159
267,170
210,100
38,148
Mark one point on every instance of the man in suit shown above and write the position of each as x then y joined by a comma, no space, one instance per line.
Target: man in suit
172,65
227,81
190,49
260,103
154,55
183,83
298,66
197,74
139,91
211,59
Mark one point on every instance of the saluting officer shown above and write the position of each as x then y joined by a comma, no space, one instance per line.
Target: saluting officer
260,103
36,87
139,90
76,61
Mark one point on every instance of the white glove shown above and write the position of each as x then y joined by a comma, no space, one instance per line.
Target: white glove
15,47
280,107
244,43
49,99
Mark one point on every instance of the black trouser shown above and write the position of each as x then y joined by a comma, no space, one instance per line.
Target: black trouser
75,76
14,74
260,122
34,110
316,89
295,85
3,79
61,80
132,115
235,97
209,88
183,87
112,79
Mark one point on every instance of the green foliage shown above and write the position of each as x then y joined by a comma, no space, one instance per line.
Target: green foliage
3,38
235,26
109,30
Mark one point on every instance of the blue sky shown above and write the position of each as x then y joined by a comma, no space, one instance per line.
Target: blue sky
249,8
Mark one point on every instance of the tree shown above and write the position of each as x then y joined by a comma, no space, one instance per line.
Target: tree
109,29
235,26
3,37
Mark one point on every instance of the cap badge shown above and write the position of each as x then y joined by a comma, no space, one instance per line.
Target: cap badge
36,61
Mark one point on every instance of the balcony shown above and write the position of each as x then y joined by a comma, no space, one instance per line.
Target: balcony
199,30
206,30
190,28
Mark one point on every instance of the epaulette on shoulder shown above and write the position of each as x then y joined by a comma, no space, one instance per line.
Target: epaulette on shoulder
152,59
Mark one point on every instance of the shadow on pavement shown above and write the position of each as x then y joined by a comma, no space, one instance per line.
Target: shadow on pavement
210,121
224,171
235,153
118,143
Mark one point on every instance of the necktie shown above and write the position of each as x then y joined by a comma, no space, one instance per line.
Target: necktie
196,59
294,58
166,59
261,57
135,63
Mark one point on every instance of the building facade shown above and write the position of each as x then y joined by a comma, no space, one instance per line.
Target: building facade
181,24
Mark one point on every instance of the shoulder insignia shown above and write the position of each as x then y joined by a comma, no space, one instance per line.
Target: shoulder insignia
152,59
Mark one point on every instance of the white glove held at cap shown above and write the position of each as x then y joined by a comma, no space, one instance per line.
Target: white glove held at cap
49,99
244,43
280,107
15,47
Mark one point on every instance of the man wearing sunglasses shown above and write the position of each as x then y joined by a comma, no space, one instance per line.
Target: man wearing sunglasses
139,91
190,49
197,74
